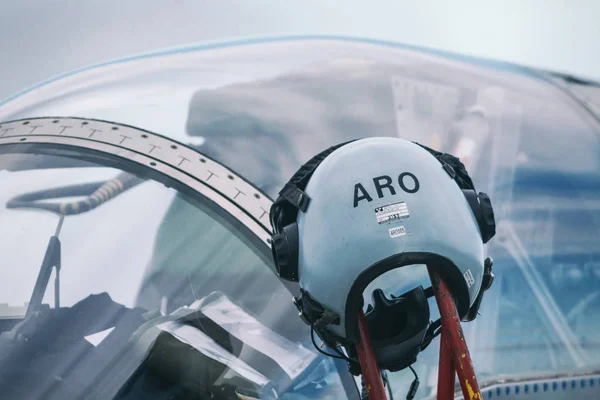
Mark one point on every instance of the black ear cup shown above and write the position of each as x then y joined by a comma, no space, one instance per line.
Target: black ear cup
488,222
291,200
284,246
484,213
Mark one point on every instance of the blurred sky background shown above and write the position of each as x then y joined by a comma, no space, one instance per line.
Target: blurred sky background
42,38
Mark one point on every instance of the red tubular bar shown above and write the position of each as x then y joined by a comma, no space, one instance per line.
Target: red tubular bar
446,372
455,347
368,362
454,353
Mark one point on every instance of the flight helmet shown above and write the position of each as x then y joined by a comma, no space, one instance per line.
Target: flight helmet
365,207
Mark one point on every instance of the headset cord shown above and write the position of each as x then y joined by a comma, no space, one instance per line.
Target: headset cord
312,337
364,394
339,355
414,386
412,391
386,382
432,332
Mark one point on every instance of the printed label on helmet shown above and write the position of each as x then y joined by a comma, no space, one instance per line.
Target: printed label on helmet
391,213
397,231
469,278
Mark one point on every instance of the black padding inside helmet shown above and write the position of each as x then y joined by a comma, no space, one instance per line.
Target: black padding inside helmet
397,327
446,268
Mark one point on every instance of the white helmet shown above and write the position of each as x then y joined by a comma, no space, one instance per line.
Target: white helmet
364,207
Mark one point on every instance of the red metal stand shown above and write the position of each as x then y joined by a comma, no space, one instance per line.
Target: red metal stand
446,372
454,354
368,363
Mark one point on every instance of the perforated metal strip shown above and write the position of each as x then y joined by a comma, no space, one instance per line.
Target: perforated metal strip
179,162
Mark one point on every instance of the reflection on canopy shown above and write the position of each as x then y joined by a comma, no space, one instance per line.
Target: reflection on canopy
101,320
547,211
263,109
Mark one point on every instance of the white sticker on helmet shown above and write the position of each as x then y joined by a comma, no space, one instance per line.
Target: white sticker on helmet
397,231
391,212
469,278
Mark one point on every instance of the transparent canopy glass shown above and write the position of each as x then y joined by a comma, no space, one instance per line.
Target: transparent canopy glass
263,108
